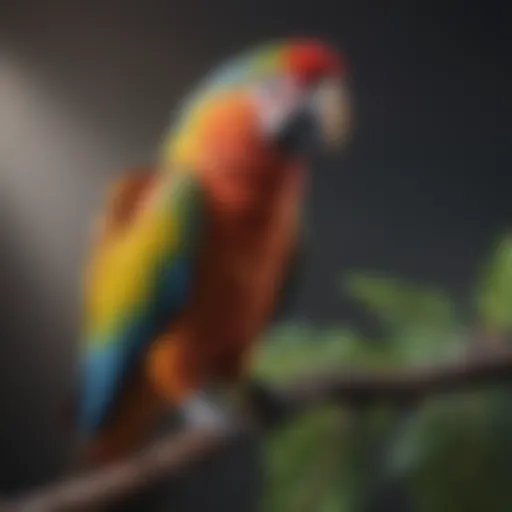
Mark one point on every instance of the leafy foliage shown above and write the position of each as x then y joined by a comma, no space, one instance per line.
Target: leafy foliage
453,454
421,323
330,441
453,458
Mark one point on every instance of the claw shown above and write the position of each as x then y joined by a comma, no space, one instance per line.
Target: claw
204,410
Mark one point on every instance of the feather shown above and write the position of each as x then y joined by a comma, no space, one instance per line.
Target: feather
138,280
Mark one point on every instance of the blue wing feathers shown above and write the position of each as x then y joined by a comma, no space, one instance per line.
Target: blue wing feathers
106,365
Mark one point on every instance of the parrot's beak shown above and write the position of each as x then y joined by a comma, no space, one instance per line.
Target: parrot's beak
334,110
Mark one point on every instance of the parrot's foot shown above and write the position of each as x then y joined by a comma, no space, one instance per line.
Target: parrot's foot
267,405
209,410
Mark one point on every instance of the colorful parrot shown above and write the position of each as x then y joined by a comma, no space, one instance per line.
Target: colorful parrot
191,258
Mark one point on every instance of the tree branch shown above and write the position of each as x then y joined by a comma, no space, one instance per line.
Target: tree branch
105,486
356,388
169,456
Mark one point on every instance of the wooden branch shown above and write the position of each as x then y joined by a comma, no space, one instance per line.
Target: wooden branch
358,388
105,486
169,456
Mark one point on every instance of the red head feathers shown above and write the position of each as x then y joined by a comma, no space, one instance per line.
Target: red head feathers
310,60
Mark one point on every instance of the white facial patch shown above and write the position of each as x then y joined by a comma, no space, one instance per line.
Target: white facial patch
277,99
281,101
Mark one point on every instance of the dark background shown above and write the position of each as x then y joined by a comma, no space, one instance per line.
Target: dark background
86,89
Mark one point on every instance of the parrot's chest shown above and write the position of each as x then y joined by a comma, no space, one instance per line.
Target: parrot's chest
239,276
244,265
242,278
238,280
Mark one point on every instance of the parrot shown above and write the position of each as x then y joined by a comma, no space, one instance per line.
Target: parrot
191,257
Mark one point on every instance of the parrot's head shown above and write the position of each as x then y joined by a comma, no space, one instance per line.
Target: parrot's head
275,101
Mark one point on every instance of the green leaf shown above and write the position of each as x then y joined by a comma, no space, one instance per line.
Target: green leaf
420,321
295,454
493,294
360,470
453,457
399,303
291,351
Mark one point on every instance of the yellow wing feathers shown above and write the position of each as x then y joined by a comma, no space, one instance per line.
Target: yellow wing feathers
127,244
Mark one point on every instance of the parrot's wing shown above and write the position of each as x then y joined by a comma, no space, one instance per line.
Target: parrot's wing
138,280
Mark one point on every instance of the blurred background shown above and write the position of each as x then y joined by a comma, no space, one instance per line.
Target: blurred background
87,89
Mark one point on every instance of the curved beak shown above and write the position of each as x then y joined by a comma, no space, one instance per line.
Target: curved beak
334,110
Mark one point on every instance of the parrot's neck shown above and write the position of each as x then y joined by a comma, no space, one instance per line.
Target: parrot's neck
251,201
242,170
